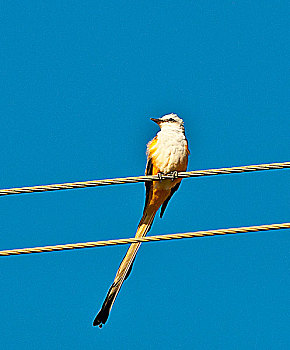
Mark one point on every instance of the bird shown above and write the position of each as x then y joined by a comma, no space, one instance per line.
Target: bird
167,153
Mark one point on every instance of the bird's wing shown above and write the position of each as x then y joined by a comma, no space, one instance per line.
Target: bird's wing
148,184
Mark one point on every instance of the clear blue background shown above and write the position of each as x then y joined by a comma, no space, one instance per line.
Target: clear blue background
79,82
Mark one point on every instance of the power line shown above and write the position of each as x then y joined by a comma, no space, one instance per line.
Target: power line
61,247
135,179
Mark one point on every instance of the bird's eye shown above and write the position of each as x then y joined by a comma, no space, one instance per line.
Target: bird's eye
171,120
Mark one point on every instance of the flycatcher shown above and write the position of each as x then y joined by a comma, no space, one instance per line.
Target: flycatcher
167,153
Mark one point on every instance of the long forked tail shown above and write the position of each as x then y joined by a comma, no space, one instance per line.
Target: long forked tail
124,269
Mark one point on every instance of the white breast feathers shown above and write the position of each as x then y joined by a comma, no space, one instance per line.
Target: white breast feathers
170,151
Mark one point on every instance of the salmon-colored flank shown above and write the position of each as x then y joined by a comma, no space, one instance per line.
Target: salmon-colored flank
188,152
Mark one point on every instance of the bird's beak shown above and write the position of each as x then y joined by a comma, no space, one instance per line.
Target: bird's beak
157,121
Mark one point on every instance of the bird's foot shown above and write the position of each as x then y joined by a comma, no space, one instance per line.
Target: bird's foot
160,176
174,175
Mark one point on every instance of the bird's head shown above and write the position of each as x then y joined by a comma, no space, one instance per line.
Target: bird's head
169,121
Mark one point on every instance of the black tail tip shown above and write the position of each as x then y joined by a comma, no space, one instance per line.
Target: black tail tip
101,317
98,323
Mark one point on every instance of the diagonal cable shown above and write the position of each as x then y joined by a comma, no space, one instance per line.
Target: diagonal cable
62,247
135,179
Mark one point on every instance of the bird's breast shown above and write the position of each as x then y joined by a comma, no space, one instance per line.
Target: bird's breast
169,152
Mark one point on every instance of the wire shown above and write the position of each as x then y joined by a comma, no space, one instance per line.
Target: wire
135,179
61,247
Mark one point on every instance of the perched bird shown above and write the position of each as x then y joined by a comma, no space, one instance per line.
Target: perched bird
167,153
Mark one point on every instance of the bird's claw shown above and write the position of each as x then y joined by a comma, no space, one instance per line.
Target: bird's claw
174,175
160,175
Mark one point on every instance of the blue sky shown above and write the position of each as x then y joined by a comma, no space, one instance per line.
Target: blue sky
80,81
